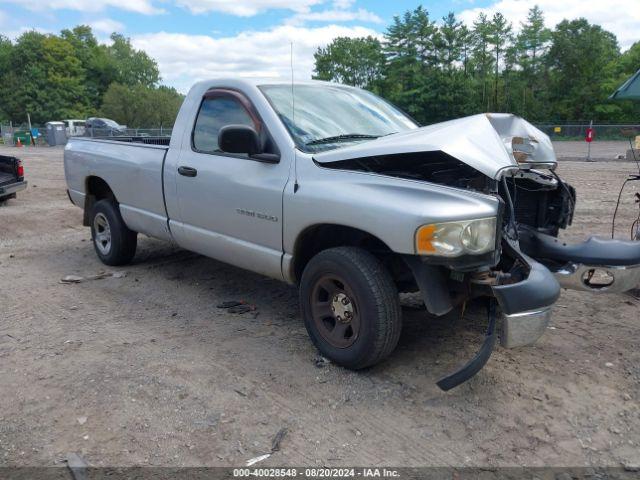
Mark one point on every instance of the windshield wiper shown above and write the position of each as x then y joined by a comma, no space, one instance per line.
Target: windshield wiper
339,138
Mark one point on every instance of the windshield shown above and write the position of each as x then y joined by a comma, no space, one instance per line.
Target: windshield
110,123
331,116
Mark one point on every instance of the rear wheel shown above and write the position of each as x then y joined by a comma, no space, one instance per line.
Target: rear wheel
7,197
350,306
114,243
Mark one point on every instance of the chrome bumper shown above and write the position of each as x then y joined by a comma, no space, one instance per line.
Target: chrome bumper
12,188
524,328
619,278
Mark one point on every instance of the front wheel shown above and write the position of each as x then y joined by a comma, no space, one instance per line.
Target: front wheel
350,306
114,243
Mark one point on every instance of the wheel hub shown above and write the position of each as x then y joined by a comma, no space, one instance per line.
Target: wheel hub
102,232
342,308
334,309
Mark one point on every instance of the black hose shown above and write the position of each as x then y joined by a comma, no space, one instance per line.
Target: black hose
512,209
474,365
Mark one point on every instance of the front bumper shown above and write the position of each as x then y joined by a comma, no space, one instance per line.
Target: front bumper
520,329
12,188
526,305
578,266
620,278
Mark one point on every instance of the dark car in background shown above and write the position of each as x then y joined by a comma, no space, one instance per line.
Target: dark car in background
103,127
11,177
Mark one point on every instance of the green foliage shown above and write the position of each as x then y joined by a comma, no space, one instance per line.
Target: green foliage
133,67
45,78
140,106
55,77
356,61
441,71
579,60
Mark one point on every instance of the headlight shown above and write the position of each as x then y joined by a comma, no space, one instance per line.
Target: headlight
452,239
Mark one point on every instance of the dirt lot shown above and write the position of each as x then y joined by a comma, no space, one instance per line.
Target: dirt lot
143,369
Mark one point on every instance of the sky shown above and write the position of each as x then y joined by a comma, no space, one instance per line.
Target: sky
197,39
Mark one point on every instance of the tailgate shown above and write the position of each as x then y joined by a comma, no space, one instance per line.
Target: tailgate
8,170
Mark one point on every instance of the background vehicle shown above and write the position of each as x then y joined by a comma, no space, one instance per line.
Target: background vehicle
75,128
103,127
348,198
11,177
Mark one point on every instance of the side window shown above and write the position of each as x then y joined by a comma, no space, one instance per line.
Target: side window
214,114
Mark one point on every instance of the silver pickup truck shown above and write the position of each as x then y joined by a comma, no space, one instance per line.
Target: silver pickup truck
333,189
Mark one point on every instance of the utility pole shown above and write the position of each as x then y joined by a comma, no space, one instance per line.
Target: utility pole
32,142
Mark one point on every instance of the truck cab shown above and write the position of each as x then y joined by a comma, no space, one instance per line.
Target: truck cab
333,189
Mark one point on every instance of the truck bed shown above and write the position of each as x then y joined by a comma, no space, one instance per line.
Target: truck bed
8,170
147,140
6,178
132,168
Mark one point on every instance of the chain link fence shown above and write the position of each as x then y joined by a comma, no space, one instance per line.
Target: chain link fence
578,131
556,131
38,134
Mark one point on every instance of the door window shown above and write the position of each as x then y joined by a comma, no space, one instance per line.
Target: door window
214,114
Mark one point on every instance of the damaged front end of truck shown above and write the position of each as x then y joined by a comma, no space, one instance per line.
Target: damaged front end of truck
502,156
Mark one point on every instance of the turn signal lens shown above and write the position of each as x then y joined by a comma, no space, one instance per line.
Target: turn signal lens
424,239
453,239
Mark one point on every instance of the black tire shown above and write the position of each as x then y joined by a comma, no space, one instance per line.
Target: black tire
375,304
121,247
7,197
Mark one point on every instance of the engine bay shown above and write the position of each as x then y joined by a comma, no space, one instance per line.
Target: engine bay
540,199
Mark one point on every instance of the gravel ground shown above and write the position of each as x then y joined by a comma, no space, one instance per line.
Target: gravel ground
604,150
141,368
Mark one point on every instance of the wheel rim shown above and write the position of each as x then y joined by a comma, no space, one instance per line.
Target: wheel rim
102,233
335,311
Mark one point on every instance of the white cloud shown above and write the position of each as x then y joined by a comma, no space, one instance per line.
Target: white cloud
335,15
343,4
184,59
246,8
107,26
621,17
138,6
10,29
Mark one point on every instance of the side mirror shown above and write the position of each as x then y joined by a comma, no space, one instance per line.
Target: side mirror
244,139
239,139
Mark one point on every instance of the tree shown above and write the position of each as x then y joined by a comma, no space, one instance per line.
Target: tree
139,106
530,55
45,79
53,77
352,61
533,42
482,59
451,41
617,72
578,60
99,65
411,47
466,41
5,64
499,38
133,67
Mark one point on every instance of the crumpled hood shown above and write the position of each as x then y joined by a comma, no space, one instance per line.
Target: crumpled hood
485,142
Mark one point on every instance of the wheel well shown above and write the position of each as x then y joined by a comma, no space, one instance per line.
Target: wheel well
321,237
96,189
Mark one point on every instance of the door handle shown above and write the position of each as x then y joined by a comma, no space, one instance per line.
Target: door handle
187,171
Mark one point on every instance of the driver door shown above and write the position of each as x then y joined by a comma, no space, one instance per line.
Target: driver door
230,206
